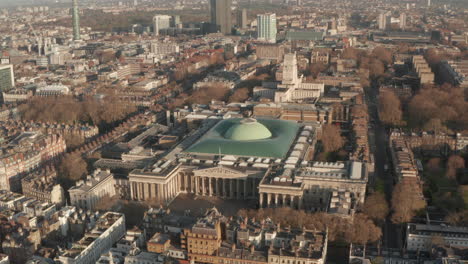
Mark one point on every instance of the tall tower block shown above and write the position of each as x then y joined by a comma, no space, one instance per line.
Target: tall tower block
76,21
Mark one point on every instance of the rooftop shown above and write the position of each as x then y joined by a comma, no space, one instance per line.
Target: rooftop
248,138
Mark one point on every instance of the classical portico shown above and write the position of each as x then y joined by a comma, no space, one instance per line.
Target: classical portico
226,182
290,195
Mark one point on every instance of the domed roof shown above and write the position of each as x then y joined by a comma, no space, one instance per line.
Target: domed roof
247,129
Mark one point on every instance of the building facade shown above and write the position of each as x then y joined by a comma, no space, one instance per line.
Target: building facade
220,13
86,193
420,237
109,229
161,22
266,27
7,78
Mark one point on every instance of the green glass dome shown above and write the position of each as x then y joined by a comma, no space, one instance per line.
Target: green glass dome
247,129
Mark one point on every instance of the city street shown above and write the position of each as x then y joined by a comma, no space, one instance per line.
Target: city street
390,231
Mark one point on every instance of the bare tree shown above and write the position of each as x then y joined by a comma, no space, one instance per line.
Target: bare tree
404,203
390,108
331,138
383,54
454,163
362,230
316,68
72,168
239,95
376,207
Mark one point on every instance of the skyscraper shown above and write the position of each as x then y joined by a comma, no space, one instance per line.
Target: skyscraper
402,21
76,21
266,27
384,20
242,18
161,22
7,78
220,12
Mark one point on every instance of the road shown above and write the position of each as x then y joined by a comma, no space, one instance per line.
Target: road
391,237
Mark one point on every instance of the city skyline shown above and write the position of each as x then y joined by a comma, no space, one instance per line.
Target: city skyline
234,132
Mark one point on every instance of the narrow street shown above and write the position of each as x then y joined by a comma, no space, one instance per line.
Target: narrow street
390,231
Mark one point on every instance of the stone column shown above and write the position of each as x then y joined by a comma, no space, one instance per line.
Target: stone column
193,183
260,205
132,191
148,190
137,190
216,189
197,187
284,200
140,191
203,186
210,187
155,190
299,202
254,189
276,200
231,188
268,199
173,188
245,189
223,182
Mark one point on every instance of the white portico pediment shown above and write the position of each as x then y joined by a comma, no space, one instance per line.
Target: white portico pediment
220,172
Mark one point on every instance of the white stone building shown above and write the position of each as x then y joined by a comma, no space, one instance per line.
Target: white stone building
292,87
109,229
88,192
421,237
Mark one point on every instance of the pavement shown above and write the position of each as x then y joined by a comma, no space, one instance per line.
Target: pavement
199,204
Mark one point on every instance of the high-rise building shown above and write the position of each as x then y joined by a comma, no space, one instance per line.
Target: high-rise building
175,21
76,21
403,21
384,20
7,78
266,27
161,22
242,18
290,69
220,12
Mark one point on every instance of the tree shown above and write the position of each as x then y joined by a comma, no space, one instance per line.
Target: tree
350,53
239,95
435,124
72,168
376,68
376,207
390,108
383,54
458,218
331,138
437,240
316,68
434,164
204,95
405,202
454,163
362,230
